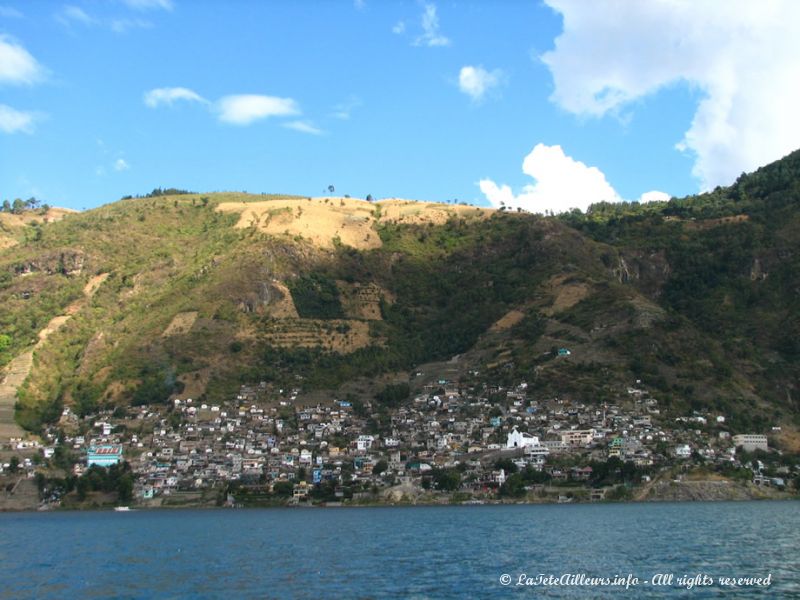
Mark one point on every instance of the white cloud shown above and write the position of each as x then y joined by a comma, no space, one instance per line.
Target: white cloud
303,127
74,14
14,121
431,36
399,27
17,66
242,109
654,196
168,96
247,108
9,12
149,4
125,25
741,55
345,109
121,165
477,81
562,183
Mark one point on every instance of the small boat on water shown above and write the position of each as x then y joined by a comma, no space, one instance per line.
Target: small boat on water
122,508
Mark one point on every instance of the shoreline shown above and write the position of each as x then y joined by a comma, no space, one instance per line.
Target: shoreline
775,497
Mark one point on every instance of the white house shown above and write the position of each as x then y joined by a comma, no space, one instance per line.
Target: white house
105,427
498,477
751,441
364,442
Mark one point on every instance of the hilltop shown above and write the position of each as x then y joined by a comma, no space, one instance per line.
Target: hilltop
193,295
14,227
330,221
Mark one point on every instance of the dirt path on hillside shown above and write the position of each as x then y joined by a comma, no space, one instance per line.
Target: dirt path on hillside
17,371
643,492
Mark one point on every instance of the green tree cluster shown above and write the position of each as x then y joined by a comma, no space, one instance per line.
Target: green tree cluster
393,395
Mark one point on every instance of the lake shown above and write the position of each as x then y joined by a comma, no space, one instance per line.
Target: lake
516,551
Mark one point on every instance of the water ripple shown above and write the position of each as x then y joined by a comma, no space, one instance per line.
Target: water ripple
420,552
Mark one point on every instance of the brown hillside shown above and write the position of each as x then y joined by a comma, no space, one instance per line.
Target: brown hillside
324,221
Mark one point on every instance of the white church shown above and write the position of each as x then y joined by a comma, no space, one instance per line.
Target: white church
521,440
534,452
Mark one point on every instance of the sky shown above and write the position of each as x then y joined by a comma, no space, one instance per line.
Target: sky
544,105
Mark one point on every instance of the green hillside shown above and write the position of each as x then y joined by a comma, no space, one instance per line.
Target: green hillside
727,263
197,294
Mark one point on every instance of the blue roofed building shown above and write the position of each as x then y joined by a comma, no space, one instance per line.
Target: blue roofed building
104,456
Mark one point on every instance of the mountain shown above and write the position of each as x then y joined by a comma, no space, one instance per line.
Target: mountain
197,294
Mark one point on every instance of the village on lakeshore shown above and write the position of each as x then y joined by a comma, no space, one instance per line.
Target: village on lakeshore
448,443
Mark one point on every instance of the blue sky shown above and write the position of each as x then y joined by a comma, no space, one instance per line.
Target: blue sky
541,105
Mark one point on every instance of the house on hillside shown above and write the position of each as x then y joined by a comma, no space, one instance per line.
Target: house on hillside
683,451
364,442
104,456
750,442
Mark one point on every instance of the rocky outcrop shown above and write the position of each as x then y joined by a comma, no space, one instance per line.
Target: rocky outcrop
757,272
648,271
67,262
270,296
678,491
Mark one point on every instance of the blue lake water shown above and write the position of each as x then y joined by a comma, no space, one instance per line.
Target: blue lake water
403,552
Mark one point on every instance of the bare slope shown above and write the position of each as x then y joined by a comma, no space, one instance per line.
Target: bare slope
12,226
327,221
